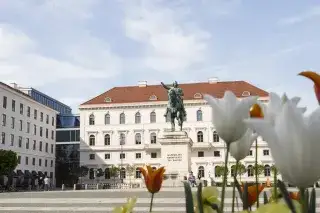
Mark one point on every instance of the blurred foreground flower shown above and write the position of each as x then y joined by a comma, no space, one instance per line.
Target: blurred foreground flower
127,208
253,193
152,178
294,143
241,148
275,208
315,77
209,197
229,113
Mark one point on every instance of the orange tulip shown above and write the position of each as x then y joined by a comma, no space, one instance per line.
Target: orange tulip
153,178
315,77
252,193
256,111
294,196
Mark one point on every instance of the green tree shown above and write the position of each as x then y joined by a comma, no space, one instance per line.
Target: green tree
8,161
130,169
241,170
219,171
260,169
114,172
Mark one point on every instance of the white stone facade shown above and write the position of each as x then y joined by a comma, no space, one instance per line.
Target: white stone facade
28,128
207,151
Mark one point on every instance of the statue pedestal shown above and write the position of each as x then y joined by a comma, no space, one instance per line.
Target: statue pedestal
176,153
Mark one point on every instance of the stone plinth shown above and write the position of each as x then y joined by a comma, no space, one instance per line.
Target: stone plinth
176,153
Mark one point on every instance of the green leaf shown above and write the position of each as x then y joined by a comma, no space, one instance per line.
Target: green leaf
199,198
312,204
188,196
285,195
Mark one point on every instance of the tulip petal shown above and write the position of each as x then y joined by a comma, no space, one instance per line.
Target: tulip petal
241,148
295,100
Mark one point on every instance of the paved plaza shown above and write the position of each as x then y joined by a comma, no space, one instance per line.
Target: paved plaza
98,201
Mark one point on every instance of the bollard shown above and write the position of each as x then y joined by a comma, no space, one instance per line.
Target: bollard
74,186
62,187
86,186
97,185
30,187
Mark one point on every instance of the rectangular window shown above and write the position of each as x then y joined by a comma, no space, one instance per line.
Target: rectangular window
41,116
51,148
21,109
13,105
19,159
41,131
138,155
51,164
122,155
27,143
28,127
34,146
3,137
4,102
35,129
47,147
52,121
266,152
107,156
35,114
92,156
47,133
45,162
153,155
28,111
250,153
216,153
40,162
20,141
200,154
27,160
40,146
47,119
52,134
12,122
4,120
12,140
20,125
33,161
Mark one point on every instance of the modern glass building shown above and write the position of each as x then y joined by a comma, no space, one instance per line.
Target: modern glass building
67,149
47,101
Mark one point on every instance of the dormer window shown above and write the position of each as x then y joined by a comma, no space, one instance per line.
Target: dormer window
197,95
246,93
153,98
108,100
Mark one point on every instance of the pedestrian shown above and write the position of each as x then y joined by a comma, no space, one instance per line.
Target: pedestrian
46,183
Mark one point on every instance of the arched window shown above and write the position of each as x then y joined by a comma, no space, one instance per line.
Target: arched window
123,173
153,138
107,119
267,170
153,117
91,119
201,171
107,140
200,136
216,171
107,173
233,169
138,138
154,168
122,139
122,118
215,137
250,171
91,174
199,115
137,118
92,140
138,173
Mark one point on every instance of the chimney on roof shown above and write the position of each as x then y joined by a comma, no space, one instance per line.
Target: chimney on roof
213,80
142,83
14,85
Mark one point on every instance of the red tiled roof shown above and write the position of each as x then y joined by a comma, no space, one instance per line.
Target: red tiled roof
135,94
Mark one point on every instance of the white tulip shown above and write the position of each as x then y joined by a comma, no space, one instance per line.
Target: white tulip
241,148
228,114
275,105
294,143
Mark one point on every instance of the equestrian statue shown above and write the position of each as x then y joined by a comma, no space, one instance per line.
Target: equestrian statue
175,108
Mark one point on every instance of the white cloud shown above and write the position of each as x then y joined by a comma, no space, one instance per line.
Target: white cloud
309,14
171,43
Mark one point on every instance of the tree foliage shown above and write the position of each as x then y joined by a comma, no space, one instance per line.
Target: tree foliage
260,169
83,171
100,172
219,170
241,169
8,161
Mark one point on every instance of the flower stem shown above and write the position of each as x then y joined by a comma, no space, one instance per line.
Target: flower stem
275,184
224,178
234,185
151,202
256,172
303,200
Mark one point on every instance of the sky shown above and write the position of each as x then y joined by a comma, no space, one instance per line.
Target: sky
74,50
